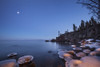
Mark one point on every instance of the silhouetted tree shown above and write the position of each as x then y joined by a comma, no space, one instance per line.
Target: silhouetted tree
87,25
93,22
82,25
93,6
74,27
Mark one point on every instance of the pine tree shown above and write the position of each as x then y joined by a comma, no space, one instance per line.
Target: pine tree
74,27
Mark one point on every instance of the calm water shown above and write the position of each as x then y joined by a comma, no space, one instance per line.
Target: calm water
37,48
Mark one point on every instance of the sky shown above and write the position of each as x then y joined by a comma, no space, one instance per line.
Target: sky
39,19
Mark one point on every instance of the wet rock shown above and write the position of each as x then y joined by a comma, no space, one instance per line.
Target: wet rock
92,49
49,51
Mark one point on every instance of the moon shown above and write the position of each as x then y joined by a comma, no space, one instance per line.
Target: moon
18,12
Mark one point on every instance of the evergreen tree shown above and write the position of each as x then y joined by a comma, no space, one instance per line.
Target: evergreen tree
74,27
82,25
93,22
87,25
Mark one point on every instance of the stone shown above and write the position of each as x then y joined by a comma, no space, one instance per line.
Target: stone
8,63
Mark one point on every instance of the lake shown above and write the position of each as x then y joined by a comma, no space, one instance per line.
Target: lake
45,53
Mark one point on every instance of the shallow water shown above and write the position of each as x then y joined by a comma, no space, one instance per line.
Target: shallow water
45,53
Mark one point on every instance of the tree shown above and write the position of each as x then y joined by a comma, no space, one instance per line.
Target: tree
74,27
87,25
82,24
94,23
93,6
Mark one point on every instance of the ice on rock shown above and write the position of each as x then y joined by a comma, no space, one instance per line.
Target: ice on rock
61,53
12,54
25,59
88,61
8,63
98,49
80,54
73,46
77,48
86,51
93,53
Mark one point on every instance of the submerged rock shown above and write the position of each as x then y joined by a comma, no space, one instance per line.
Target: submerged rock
8,63
25,59
49,51
12,54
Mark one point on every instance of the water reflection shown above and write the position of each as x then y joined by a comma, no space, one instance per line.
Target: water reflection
45,53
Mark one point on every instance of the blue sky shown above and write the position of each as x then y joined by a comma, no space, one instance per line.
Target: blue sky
39,19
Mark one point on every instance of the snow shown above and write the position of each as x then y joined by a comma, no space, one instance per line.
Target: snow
80,54
88,61
12,54
8,63
86,51
25,59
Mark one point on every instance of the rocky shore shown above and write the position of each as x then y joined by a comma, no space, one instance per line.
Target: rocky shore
86,30
86,55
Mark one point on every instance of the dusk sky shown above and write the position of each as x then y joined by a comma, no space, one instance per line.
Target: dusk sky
39,19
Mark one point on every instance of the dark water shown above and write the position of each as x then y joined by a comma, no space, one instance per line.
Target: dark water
45,53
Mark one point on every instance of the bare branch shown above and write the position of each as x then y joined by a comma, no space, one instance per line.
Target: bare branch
94,2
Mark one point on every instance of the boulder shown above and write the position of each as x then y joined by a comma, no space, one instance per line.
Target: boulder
88,61
8,63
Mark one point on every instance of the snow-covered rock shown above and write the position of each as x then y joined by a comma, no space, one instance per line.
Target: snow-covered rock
71,52
61,53
8,63
12,54
97,40
25,59
93,53
88,61
77,48
73,46
80,54
86,51
67,55
98,49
